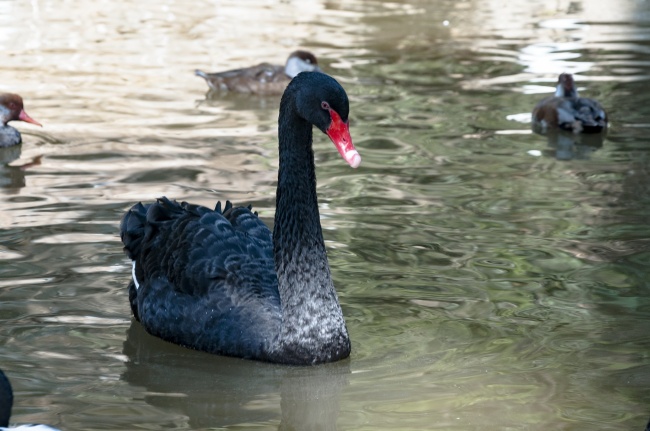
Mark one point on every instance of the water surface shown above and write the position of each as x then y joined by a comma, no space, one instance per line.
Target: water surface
491,278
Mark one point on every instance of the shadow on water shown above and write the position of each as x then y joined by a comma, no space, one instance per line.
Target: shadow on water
217,391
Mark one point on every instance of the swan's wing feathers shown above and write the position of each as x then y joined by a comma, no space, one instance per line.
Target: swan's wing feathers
245,221
200,250
234,249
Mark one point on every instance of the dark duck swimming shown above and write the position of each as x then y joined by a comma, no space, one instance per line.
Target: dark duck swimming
567,111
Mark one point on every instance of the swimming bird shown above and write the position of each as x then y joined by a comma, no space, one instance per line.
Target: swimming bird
7,402
567,111
11,109
264,78
219,281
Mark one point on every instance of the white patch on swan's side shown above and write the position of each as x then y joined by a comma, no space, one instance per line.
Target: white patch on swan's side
135,280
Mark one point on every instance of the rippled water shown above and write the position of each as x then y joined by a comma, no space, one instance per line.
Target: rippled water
491,278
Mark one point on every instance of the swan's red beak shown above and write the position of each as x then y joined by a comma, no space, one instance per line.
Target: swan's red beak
339,133
27,119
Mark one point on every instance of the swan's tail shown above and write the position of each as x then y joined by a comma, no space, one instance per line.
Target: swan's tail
132,230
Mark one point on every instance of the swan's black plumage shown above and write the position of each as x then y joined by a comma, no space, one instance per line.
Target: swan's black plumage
6,400
219,281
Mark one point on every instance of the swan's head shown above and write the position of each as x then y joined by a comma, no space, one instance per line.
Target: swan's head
11,109
301,61
323,102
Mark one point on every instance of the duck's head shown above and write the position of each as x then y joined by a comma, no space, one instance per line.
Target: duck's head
301,61
566,86
11,109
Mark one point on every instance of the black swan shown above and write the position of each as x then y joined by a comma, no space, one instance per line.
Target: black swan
264,78
220,282
7,402
567,111
11,109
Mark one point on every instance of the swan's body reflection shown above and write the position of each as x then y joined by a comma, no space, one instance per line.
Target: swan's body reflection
217,391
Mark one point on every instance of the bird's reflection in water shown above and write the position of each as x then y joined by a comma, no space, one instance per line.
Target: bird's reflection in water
13,177
564,145
214,391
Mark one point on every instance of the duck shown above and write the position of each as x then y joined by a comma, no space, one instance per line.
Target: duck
6,404
11,109
217,280
263,79
567,111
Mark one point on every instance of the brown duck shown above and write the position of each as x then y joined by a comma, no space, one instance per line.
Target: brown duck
11,109
567,111
264,78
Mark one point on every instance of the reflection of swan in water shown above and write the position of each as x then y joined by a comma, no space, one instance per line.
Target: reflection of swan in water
217,391
566,145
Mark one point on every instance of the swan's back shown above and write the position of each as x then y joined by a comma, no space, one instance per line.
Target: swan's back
203,278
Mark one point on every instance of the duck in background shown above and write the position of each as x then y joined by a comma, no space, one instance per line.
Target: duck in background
264,78
6,403
11,109
567,111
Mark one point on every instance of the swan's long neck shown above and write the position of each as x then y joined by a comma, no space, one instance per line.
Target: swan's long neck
312,320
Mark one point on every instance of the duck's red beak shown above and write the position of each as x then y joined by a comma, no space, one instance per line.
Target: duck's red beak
27,119
339,133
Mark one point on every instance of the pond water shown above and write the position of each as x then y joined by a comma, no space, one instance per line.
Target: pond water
491,278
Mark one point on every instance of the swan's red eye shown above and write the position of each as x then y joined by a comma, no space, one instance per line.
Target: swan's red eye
325,106
12,105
